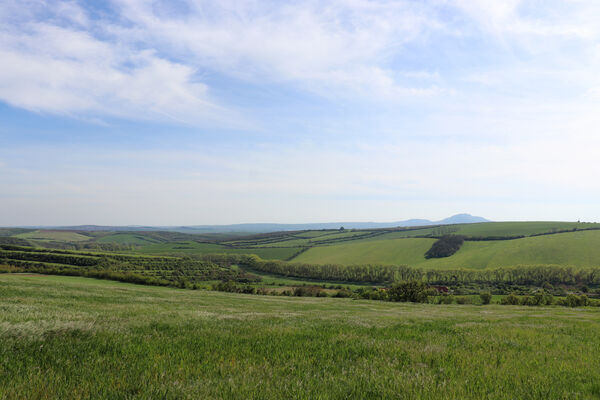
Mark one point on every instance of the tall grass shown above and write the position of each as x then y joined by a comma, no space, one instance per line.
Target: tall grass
63,337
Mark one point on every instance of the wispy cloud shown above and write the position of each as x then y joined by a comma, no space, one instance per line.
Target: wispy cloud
148,59
363,109
68,70
162,59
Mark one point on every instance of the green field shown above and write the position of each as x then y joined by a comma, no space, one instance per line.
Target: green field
190,248
578,249
75,338
551,243
61,236
394,251
127,238
519,228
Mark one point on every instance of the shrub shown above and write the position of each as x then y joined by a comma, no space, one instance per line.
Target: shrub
542,298
486,298
345,293
308,291
547,286
413,291
446,299
263,291
511,299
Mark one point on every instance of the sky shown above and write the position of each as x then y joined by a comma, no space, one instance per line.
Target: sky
181,112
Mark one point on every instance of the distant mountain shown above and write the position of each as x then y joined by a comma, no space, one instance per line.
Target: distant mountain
462,219
266,227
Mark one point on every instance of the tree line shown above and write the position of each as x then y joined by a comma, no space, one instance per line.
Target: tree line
529,275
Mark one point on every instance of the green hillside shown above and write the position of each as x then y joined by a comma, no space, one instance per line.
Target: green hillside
490,229
398,246
396,251
60,236
579,249
519,228
190,248
127,238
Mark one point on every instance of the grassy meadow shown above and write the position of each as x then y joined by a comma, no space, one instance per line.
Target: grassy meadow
191,248
578,249
45,235
66,337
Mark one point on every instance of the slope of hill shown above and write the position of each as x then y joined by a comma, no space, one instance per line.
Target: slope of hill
578,249
399,246
57,235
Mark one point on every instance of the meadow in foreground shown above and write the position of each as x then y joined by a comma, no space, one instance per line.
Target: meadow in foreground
66,337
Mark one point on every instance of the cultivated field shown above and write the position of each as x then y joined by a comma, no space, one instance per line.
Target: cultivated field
577,249
64,337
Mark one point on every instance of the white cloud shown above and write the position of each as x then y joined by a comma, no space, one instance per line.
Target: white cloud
48,68
156,59
338,45
147,59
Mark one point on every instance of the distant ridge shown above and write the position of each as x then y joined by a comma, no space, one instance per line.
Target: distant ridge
267,227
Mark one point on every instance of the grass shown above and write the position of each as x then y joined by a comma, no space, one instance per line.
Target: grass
62,236
397,251
578,249
4,232
519,228
185,248
127,238
79,338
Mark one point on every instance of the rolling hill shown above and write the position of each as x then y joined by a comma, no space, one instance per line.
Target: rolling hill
270,227
488,244
577,249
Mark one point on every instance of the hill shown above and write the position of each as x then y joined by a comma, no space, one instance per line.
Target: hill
269,227
578,249
487,245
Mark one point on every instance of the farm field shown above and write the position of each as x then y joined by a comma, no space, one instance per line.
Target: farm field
65,337
578,249
185,248
550,243
409,251
65,236
519,228
127,238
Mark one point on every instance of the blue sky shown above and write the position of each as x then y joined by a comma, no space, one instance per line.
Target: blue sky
203,112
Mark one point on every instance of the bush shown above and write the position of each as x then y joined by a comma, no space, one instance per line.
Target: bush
486,297
511,299
309,291
446,299
231,287
373,294
344,293
542,298
413,291
575,301
464,300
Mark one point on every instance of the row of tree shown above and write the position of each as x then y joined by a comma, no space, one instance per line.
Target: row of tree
528,275
169,269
